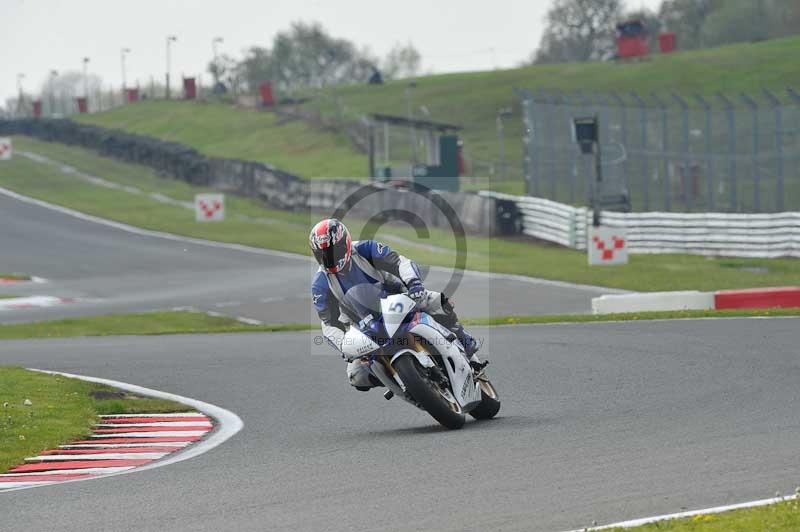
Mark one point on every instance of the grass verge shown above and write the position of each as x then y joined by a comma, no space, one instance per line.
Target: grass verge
779,517
146,323
249,222
187,322
61,410
14,277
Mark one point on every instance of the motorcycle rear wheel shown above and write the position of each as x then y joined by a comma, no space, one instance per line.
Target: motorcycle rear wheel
426,393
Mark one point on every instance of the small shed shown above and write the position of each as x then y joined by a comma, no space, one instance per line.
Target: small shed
423,152
632,39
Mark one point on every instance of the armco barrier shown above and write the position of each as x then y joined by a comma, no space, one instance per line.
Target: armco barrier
280,189
713,234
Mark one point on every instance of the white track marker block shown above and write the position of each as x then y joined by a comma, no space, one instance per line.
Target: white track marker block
653,301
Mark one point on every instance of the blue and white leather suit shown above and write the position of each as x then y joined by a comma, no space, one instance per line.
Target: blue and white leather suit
372,262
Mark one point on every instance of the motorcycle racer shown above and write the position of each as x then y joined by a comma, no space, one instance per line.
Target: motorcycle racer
344,264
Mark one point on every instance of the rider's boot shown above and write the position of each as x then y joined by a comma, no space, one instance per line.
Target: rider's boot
450,320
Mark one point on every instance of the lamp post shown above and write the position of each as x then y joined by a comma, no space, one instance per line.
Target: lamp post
86,78
21,96
53,76
170,39
503,112
214,43
122,53
587,137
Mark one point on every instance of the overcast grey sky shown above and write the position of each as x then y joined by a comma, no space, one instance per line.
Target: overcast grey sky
452,35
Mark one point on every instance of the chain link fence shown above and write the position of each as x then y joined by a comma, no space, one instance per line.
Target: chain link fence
728,153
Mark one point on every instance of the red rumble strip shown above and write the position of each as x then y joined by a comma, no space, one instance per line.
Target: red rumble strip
779,297
118,450
123,430
166,439
118,443
128,420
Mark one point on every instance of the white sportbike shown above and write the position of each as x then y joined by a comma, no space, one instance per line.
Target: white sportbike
419,360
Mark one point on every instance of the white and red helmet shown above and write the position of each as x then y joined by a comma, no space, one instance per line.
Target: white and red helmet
331,244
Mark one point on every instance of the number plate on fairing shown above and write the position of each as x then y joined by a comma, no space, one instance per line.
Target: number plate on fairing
356,344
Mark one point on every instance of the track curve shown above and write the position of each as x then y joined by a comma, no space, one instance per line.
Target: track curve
603,421
110,269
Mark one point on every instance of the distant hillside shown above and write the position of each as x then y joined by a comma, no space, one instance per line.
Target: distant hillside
223,130
469,99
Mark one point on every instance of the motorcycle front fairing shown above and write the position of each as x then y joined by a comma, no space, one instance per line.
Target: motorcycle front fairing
385,320
464,386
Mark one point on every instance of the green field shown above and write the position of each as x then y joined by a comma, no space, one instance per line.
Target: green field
223,130
61,410
468,99
247,220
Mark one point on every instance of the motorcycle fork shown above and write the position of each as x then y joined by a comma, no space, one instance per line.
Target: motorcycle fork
385,359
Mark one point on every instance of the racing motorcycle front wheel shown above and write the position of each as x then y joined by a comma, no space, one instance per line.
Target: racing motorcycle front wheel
490,401
434,397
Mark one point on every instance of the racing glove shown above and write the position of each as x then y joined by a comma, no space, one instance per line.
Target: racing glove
416,290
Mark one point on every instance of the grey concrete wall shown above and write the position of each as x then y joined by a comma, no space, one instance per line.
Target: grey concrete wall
274,187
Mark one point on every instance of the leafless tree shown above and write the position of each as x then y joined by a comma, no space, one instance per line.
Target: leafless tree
579,30
402,61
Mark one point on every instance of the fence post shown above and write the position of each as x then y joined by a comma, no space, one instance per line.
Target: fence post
664,150
778,109
602,112
734,182
589,175
756,174
687,184
623,137
572,153
527,129
531,133
709,155
549,150
644,155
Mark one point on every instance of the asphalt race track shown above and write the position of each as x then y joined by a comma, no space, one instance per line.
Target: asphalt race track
108,270
599,422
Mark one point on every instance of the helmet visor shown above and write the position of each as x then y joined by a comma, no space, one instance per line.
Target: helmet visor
330,258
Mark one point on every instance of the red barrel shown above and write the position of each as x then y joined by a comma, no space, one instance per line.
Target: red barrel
83,105
189,89
132,95
666,42
267,98
37,108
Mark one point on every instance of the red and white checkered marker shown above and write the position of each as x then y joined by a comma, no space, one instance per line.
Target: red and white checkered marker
5,148
133,440
607,245
209,207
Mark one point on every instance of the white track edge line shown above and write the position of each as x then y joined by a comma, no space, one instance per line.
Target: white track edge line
680,515
638,322
275,253
228,424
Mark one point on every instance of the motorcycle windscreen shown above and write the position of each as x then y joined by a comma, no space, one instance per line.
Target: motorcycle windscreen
365,299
